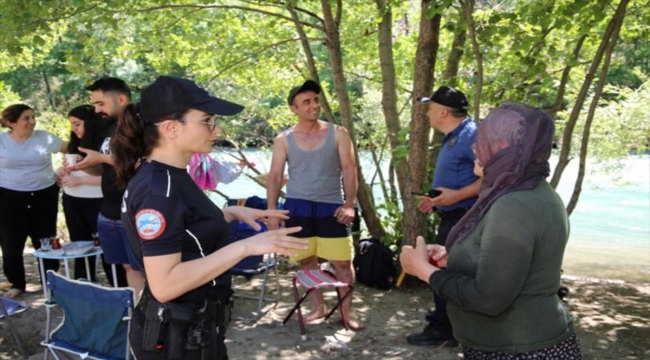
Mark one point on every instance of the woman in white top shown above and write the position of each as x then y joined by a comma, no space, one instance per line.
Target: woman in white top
82,192
29,195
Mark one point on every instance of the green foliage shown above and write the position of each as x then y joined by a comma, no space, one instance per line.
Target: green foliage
250,52
7,97
232,50
53,122
391,215
622,125
631,66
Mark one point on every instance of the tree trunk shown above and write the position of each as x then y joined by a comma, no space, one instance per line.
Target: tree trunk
378,171
468,9
450,75
389,86
48,90
364,196
617,22
565,151
449,78
311,64
565,78
414,222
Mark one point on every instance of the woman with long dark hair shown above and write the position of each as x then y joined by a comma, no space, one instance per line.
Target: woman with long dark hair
177,234
29,195
82,192
502,272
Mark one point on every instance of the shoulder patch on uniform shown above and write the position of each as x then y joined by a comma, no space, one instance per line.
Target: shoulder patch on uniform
452,142
150,223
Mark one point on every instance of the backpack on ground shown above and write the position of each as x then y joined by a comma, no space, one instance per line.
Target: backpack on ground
374,264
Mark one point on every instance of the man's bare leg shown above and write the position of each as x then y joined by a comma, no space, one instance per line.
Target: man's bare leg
345,273
316,297
134,279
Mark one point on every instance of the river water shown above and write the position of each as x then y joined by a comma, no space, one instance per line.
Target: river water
610,226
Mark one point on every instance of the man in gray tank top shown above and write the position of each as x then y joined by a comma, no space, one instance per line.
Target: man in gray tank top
321,191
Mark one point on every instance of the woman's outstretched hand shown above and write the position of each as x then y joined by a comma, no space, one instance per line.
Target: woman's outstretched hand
92,158
275,241
249,215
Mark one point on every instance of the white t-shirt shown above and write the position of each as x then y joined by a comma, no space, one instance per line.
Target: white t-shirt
27,165
83,191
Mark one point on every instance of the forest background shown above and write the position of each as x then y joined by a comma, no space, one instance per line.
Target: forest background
586,62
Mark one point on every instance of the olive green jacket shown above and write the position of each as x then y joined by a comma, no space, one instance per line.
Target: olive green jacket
502,279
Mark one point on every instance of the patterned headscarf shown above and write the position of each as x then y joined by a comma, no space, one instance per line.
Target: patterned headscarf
513,144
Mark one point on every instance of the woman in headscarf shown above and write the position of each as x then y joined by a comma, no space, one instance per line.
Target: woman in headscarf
500,268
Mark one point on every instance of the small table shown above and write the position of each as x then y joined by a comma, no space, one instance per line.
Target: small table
59,255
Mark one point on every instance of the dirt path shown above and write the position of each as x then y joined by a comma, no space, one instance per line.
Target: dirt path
612,318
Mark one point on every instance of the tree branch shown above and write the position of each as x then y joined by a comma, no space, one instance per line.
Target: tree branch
311,63
337,17
282,4
618,18
567,136
375,80
468,7
235,63
64,17
228,7
539,43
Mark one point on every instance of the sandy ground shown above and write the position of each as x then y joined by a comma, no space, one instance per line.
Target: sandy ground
612,319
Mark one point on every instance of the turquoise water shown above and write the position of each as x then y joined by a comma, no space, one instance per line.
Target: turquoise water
610,226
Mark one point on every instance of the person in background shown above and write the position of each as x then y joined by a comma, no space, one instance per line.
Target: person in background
454,178
207,172
321,190
503,258
29,195
179,236
82,192
110,96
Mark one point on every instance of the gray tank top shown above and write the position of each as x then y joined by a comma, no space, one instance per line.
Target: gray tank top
314,175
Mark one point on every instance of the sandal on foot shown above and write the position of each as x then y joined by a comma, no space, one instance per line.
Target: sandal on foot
12,293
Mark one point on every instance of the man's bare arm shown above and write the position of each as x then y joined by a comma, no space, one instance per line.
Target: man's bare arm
348,166
276,174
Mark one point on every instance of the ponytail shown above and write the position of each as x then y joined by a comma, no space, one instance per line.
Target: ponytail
134,139
128,144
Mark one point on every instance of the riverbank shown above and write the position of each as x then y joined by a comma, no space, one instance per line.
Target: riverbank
612,322
610,226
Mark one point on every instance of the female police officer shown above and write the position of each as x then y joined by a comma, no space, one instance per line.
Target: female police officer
177,234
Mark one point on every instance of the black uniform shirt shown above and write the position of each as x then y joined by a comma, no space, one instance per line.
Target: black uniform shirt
112,198
164,212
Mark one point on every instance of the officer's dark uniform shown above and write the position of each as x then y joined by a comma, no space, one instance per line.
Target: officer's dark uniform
165,212
454,170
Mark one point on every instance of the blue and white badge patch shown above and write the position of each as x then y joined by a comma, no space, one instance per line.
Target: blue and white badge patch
150,223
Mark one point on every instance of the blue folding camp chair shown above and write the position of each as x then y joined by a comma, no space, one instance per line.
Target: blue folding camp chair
9,308
96,319
253,265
